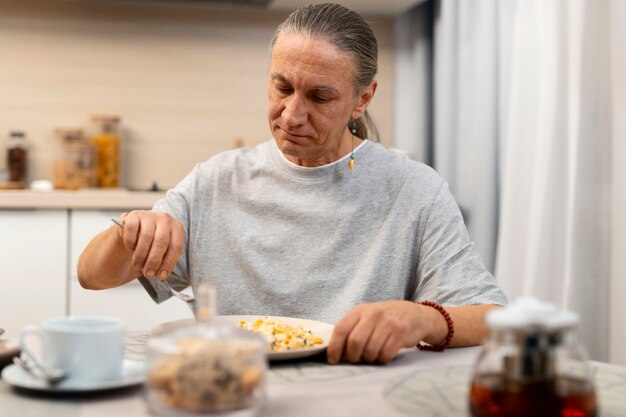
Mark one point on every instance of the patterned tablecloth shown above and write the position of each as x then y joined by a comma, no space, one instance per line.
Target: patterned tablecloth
426,384
444,391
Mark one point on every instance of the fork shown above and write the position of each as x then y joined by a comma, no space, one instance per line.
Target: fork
189,299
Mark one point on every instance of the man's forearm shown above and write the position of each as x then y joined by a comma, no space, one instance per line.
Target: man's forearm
105,262
469,325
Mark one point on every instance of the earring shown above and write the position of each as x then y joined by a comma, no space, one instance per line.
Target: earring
353,131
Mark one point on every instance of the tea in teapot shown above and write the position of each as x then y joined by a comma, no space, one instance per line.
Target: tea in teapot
532,365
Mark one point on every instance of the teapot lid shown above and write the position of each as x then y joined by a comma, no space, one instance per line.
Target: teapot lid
530,312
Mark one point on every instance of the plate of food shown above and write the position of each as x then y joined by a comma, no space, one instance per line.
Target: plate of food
287,337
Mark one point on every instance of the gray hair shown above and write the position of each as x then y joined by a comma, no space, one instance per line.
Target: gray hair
347,31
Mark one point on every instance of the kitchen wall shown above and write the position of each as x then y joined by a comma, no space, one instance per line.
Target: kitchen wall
188,81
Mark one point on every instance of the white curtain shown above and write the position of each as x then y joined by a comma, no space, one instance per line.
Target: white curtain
413,91
471,41
555,222
618,221
523,101
451,66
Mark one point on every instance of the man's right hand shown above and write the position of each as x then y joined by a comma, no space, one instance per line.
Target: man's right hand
155,240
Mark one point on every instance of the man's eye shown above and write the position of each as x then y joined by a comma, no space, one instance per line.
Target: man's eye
284,90
320,99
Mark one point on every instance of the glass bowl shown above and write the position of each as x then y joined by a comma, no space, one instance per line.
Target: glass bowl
205,368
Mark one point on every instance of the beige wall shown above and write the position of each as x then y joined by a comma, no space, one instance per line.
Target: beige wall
187,81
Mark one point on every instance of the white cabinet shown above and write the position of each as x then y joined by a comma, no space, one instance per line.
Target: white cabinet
130,302
84,225
33,266
39,251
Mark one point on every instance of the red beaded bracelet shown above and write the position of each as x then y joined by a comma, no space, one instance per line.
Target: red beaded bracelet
449,322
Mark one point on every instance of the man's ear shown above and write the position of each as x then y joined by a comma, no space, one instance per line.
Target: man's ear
364,100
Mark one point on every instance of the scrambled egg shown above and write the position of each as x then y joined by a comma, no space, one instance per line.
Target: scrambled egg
282,337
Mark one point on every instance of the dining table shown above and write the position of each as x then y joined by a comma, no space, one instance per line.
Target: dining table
415,383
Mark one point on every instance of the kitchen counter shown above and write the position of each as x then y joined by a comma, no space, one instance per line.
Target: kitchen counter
98,199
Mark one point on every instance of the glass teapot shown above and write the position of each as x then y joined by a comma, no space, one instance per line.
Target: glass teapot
532,365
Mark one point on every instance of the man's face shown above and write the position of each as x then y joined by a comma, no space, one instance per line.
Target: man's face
311,99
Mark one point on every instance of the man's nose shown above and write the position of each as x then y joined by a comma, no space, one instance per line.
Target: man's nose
295,112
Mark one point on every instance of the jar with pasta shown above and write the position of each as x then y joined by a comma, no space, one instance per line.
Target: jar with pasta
106,138
78,168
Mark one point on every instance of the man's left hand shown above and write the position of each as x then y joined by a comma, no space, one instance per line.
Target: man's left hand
375,332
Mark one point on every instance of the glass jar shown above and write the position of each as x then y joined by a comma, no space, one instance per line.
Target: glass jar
205,368
17,157
106,138
532,365
78,168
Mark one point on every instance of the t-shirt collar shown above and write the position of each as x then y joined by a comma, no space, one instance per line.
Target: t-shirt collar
322,171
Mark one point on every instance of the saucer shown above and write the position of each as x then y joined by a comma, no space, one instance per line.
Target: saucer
133,373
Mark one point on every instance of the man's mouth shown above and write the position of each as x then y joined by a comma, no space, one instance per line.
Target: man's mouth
294,134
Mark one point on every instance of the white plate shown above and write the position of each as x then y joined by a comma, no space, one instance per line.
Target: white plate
133,373
323,330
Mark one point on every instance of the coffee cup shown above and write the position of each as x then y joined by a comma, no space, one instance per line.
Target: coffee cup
90,349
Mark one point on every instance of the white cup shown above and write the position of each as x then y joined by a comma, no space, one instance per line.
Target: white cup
88,348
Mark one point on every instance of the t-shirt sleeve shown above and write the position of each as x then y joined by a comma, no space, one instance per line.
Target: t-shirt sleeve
177,203
450,269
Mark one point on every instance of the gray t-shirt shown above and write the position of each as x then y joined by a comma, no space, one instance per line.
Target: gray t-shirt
276,238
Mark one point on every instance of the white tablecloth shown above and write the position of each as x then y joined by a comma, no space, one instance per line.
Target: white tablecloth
420,383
